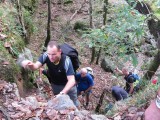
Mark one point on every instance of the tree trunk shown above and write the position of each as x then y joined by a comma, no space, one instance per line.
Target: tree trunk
153,67
91,26
93,55
155,63
104,23
21,20
105,11
48,24
141,6
90,14
98,56
100,101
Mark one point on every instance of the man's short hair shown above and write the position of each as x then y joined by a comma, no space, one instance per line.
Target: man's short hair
53,43
125,68
84,70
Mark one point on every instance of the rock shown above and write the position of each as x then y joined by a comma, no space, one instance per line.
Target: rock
99,117
132,110
117,117
61,102
107,65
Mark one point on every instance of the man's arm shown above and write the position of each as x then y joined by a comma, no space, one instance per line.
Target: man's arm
33,66
70,75
119,71
90,83
131,88
88,89
71,82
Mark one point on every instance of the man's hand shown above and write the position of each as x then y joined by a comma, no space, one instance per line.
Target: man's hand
25,63
39,81
30,65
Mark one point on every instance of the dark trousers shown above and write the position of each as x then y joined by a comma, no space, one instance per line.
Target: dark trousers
119,93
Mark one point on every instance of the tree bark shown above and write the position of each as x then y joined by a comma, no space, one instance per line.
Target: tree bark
104,23
98,56
48,24
90,14
100,101
93,55
105,11
142,7
21,20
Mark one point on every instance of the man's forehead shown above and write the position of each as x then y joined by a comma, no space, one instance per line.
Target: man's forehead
53,48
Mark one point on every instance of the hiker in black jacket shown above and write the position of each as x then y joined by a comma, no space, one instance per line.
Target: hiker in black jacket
60,70
120,93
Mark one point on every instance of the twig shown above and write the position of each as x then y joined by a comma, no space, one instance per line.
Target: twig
71,18
5,113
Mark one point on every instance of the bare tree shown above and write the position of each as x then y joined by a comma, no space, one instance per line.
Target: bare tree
104,23
48,24
21,19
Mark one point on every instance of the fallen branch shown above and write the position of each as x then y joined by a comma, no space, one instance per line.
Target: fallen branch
5,113
71,18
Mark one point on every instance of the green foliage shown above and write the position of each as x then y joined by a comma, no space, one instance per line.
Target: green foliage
79,25
96,38
120,36
31,28
29,5
8,16
68,1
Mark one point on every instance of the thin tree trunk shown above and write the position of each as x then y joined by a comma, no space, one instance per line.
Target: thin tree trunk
105,11
21,19
100,101
90,14
93,55
48,24
155,63
141,6
91,26
104,23
98,56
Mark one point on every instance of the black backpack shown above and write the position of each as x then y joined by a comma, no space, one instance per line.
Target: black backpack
72,53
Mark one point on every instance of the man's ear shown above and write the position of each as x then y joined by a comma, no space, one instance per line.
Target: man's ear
60,50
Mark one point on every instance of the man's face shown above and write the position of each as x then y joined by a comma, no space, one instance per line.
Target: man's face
54,54
83,74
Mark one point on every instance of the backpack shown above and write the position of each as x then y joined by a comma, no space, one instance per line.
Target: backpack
135,76
72,53
136,83
90,71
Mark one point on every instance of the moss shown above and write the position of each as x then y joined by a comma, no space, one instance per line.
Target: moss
68,1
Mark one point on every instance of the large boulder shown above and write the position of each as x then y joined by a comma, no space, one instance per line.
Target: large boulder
108,65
